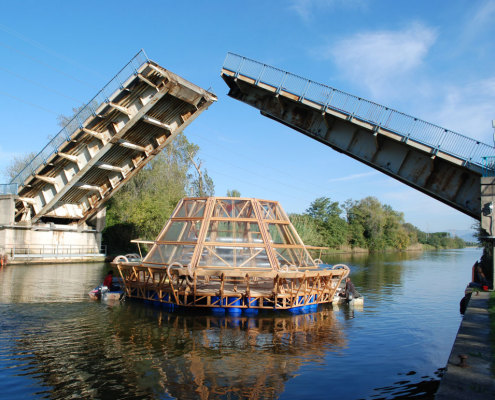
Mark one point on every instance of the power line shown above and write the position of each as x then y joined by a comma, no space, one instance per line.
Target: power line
42,47
302,184
28,102
46,64
39,84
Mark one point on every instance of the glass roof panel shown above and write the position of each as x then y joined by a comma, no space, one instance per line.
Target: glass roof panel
181,231
233,236
234,257
269,209
167,254
233,232
233,208
191,208
281,234
289,256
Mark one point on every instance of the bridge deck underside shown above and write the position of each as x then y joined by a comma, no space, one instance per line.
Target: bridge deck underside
440,175
111,146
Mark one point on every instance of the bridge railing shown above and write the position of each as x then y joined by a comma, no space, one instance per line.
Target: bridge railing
8,188
453,143
18,251
77,121
488,166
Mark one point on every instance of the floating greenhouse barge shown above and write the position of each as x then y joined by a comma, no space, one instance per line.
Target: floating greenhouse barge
230,254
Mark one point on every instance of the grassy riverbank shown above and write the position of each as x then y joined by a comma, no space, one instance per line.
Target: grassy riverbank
361,250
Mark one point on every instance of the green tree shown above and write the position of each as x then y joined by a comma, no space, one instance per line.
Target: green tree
307,229
233,193
330,226
201,184
144,204
380,225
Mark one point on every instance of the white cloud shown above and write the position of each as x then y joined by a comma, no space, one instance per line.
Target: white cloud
468,109
380,59
483,16
387,64
307,8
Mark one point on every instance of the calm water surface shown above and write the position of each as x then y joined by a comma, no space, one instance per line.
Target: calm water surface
56,344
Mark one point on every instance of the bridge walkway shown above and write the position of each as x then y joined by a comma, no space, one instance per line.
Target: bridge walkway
441,163
106,143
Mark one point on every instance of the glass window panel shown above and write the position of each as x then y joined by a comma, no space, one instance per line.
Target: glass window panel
234,232
234,257
231,208
297,257
191,209
244,209
280,214
281,234
167,254
269,209
181,231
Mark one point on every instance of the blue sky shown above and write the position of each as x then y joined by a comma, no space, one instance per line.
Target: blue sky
432,60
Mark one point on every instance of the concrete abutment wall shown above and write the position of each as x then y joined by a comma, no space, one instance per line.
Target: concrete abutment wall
43,242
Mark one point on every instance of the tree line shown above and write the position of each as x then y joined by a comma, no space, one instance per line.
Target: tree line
366,224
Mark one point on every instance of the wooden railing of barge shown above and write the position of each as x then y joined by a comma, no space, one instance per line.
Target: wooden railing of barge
211,287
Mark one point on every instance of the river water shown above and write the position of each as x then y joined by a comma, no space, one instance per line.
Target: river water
57,344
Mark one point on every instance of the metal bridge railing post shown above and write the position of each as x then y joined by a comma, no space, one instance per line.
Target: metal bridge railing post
303,95
281,83
240,67
261,74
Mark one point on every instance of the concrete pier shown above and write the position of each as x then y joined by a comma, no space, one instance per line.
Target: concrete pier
25,242
472,377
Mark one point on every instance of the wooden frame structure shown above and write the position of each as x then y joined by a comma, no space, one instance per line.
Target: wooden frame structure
230,253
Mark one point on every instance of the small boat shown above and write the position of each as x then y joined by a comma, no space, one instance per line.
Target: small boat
103,293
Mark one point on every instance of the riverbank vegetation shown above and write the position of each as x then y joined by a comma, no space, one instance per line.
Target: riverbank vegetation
144,204
365,224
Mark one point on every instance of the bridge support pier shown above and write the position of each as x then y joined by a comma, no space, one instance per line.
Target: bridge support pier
487,220
27,243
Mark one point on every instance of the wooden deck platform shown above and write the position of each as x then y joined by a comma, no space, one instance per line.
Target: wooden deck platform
231,289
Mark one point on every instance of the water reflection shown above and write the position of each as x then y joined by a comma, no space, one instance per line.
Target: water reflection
43,283
100,351
55,343
377,272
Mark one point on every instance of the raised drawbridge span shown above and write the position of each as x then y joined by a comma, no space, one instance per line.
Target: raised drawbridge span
443,164
55,207
107,142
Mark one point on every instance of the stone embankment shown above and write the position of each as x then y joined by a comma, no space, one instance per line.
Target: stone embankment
469,372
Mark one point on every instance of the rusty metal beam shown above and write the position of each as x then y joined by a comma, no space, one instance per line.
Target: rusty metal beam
451,181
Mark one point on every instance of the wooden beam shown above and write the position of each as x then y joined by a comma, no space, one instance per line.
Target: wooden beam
109,167
69,157
46,179
123,110
132,146
141,77
154,121
87,186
